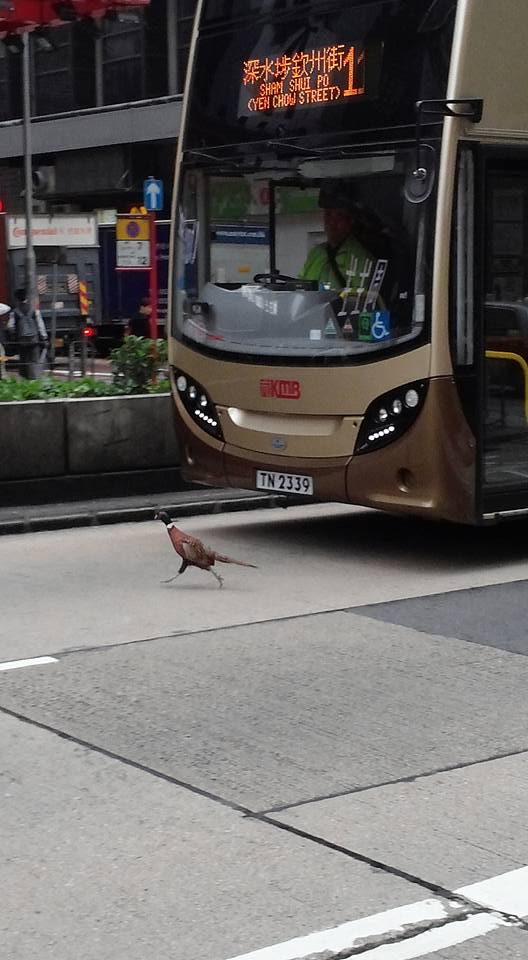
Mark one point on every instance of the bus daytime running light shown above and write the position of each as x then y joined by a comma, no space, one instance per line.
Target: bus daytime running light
198,404
394,414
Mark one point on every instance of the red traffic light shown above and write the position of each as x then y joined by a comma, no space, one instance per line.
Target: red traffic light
88,332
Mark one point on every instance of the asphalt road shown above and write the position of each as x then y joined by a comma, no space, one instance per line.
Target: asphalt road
328,757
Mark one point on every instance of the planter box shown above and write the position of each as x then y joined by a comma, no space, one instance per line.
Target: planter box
55,438
120,433
32,439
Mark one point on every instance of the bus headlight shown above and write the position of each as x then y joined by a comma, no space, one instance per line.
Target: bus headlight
412,399
390,416
198,404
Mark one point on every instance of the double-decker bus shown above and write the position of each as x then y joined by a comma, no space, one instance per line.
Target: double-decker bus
349,302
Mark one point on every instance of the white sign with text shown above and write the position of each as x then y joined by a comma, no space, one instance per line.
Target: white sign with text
60,231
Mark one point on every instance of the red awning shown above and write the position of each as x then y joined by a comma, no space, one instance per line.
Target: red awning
19,15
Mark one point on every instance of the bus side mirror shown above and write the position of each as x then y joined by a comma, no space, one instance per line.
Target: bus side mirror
421,177
420,181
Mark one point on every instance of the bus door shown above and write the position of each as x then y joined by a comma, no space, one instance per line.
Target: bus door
504,461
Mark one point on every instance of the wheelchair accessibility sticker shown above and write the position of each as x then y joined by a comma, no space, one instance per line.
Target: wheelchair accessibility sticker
375,326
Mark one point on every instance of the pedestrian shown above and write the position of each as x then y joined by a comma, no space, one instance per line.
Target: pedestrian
5,309
27,331
139,324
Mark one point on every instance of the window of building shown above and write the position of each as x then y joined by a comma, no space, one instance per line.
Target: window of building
53,73
184,27
134,56
63,69
156,31
4,84
124,61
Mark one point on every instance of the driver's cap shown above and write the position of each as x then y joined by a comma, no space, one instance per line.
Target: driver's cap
338,195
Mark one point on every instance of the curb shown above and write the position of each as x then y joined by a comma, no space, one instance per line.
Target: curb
91,518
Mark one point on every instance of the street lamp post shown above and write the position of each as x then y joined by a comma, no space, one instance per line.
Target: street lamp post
28,172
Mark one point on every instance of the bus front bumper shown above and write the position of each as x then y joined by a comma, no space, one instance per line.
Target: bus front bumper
429,471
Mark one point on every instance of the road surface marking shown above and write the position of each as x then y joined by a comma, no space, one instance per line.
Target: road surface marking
34,662
507,893
459,931
343,937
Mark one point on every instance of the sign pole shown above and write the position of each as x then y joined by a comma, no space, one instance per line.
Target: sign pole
31,269
153,278
153,200
54,295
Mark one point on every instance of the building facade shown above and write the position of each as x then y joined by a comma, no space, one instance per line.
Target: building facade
106,103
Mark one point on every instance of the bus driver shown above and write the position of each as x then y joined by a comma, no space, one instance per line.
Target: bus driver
343,257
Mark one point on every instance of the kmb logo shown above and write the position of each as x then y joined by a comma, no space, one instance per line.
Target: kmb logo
281,389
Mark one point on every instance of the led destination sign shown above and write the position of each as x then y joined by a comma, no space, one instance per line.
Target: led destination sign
335,74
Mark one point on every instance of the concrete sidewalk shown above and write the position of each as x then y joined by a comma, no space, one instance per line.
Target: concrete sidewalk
83,513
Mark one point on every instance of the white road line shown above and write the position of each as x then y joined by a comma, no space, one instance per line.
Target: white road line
34,662
347,935
507,893
432,940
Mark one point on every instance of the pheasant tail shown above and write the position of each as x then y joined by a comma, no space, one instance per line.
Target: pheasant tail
240,563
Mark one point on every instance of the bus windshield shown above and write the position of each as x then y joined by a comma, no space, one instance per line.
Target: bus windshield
311,258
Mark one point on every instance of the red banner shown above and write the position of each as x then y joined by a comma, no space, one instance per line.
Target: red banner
23,15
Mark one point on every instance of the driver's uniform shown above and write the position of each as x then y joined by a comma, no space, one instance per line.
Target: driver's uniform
351,256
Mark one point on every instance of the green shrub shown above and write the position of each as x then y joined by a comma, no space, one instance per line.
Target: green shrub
136,363
48,389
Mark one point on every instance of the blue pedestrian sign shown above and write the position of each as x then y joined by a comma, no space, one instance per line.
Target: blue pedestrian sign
153,195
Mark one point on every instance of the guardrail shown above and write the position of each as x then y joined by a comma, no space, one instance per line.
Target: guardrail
80,358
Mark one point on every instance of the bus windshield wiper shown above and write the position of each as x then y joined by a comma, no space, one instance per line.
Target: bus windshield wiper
284,145
201,155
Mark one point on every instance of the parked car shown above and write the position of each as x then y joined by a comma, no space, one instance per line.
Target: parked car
506,319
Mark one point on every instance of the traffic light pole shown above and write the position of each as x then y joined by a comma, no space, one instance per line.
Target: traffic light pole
31,270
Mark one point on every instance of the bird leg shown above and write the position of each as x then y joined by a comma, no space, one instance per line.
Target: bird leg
182,569
217,577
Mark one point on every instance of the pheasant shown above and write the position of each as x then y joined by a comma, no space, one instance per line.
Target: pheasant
193,552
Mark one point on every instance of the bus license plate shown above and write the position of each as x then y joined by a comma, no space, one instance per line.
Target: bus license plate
284,483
